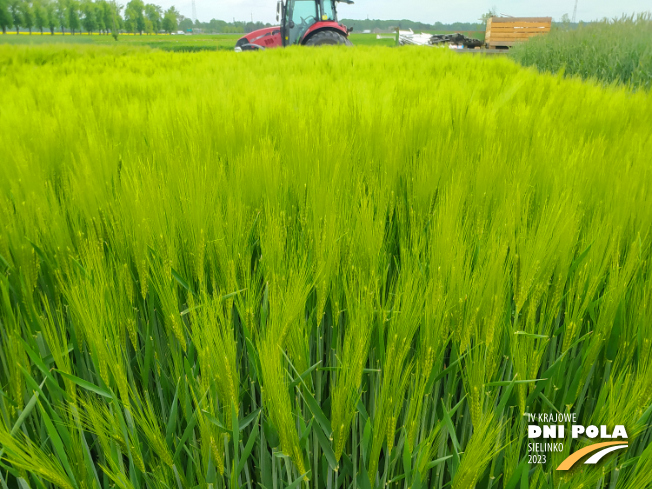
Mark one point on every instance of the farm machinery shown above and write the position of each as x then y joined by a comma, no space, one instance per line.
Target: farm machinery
303,22
501,33
457,39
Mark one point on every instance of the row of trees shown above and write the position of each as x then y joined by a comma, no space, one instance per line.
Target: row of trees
106,16
103,16
388,25
149,18
220,26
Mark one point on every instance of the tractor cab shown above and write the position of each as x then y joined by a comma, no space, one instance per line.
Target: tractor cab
303,22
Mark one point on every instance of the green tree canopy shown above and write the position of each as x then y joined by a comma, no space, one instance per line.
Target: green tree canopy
61,12
485,17
73,16
28,15
134,16
5,16
107,11
89,18
170,20
16,15
40,16
99,16
51,16
153,14
185,25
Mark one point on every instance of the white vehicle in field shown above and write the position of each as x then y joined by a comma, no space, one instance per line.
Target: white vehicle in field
454,41
409,37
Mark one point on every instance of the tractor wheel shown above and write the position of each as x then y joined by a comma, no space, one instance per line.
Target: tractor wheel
324,38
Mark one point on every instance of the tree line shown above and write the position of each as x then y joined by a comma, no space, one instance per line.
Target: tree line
109,17
384,25
77,16
389,25
220,26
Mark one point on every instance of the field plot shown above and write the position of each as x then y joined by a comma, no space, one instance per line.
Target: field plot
617,51
184,43
326,268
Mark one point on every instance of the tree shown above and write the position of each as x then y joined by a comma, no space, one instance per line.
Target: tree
28,15
16,16
185,25
565,22
153,14
73,17
40,16
485,17
5,16
88,21
129,24
108,15
116,20
61,14
99,16
134,16
170,20
216,25
51,17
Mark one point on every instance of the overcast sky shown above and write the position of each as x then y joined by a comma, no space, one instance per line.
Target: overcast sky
429,11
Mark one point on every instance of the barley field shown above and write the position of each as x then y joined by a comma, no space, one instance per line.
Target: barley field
332,268
613,51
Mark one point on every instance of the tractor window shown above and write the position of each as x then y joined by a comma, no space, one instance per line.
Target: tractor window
303,14
329,10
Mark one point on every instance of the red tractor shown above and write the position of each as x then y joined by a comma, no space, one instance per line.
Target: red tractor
305,22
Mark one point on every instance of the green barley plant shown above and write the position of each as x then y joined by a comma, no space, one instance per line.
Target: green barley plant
318,269
610,51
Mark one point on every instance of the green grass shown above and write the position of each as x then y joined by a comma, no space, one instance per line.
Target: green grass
617,51
323,268
187,43
359,39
